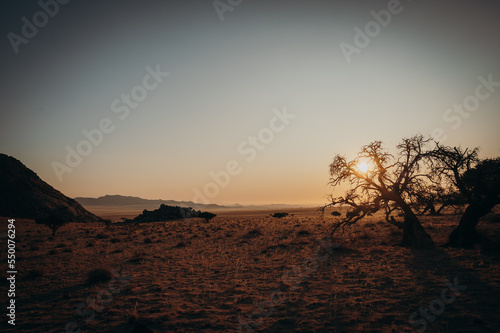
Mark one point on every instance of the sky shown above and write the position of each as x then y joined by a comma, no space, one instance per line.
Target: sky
238,101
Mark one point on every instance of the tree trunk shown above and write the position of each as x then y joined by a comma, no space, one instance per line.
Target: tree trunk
432,210
414,234
465,235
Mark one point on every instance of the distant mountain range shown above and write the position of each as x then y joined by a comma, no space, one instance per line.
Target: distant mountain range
120,200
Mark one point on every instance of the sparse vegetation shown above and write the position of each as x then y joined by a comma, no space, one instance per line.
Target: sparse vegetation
245,258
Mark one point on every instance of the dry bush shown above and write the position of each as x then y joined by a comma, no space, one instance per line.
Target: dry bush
252,234
99,275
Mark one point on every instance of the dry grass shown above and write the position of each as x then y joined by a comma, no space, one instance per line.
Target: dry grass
191,276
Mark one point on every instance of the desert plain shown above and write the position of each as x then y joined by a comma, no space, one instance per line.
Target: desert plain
247,271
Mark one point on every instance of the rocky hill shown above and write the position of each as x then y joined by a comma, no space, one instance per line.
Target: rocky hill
166,213
24,195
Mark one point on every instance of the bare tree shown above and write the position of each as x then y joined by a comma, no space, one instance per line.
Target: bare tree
436,197
477,180
379,181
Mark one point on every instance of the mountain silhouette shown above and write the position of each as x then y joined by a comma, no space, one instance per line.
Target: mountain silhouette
24,195
121,200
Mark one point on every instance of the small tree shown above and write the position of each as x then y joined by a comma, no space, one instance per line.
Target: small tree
54,222
207,216
379,181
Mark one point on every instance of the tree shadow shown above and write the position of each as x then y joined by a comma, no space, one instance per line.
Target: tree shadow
292,315
473,309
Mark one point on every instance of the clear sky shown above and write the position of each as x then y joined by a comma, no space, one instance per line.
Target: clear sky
227,82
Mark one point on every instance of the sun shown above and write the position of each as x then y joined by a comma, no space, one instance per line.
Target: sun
363,167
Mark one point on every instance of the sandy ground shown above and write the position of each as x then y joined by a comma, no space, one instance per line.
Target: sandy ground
246,271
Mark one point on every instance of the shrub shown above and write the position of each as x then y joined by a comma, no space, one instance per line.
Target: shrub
303,233
279,215
252,234
34,273
98,275
207,216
